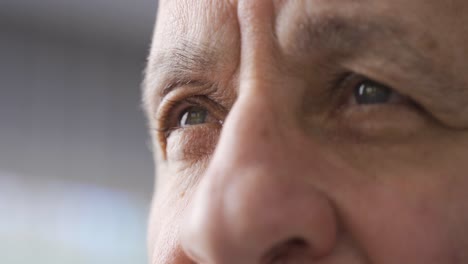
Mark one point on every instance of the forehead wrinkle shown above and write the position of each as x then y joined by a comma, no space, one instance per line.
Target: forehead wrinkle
187,57
181,53
186,61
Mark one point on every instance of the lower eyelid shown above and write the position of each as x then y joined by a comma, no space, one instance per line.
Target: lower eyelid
381,121
192,143
395,99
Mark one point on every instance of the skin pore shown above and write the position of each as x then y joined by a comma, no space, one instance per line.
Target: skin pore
309,131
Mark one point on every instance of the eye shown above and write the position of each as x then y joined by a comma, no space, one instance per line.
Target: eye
179,111
194,115
368,92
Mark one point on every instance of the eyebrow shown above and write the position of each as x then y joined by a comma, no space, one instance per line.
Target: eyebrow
181,64
346,37
387,40
341,36
189,62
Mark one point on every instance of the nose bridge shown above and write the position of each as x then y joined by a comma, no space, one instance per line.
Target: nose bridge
255,128
251,199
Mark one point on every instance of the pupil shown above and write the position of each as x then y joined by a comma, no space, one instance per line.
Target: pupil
372,93
193,116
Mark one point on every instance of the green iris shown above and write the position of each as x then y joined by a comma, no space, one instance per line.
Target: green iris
369,92
193,116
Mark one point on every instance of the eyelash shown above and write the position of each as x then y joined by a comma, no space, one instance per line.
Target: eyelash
172,110
165,117
340,87
343,85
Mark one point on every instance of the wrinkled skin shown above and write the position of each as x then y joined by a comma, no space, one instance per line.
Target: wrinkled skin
286,166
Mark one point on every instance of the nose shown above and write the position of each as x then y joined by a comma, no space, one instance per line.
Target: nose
253,204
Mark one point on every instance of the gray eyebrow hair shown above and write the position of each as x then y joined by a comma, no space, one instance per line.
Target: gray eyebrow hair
341,36
178,65
333,32
186,58
352,37
346,37
189,62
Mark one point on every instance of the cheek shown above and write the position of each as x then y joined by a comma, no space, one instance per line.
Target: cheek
164,226
188,151
188,146
398,227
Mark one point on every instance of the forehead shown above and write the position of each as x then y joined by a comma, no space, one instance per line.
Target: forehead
215,24
190,35
204,10
203,25
206,21
212,27
193,20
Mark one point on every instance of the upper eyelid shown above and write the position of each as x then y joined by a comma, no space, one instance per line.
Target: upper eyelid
177,101
163,117
343,90
185,90
175,89
352,79
342,85
181,82
167,106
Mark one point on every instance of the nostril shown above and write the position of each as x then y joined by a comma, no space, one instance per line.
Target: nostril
292,250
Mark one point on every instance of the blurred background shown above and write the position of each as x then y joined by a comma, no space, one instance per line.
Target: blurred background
75,166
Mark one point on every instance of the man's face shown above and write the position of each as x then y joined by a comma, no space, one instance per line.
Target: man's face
309,131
